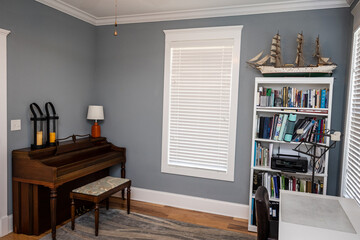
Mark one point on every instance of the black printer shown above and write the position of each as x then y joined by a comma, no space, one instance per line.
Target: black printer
289,163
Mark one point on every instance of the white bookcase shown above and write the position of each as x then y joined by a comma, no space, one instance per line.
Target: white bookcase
301,83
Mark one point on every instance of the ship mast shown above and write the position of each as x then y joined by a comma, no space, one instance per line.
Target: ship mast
317,51
299,61
320,60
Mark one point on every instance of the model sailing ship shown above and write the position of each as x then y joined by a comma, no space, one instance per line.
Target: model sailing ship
277,68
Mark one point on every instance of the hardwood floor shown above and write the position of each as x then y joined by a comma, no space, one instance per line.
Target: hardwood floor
189,216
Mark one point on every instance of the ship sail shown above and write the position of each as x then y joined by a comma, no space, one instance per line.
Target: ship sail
263,60
273,54
325,61
275,51
278,57
256,57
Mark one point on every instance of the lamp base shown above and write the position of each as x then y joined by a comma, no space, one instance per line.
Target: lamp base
95,130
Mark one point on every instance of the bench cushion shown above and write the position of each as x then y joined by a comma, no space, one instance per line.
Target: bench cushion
100,186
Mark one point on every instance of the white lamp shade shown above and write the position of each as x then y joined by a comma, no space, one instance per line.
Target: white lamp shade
95,113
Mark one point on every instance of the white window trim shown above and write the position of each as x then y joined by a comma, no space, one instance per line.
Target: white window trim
3,133
213,33
356,13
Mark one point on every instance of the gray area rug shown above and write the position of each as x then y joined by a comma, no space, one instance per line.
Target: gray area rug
117,224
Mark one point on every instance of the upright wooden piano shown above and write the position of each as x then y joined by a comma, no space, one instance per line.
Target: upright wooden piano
43,179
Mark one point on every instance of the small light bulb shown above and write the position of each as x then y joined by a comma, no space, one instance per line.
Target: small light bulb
115,33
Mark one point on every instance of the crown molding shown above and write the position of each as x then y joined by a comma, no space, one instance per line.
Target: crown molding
250,9
4,32
350,2
70,10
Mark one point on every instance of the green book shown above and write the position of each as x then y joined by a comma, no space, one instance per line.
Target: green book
302,186
283,127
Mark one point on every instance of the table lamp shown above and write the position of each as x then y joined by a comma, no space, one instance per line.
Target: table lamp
95,113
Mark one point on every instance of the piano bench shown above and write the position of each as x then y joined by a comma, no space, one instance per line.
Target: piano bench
98,191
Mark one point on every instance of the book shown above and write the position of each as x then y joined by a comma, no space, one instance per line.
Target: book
271,147
255,153
305,131
302,186
278,127
252,210
283,127
292,97
261,127
323,96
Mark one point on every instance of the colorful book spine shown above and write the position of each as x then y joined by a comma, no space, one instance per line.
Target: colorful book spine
323,97
278,127
282,129
271,147
255,153
252,210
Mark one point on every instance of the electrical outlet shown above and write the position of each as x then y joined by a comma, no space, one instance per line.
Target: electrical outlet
15,125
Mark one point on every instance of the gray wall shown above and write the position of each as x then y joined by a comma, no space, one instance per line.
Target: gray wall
129,73
50,58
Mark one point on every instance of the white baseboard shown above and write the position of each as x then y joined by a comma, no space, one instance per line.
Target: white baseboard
189,202
6,225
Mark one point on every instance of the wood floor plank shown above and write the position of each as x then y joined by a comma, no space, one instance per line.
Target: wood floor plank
156,210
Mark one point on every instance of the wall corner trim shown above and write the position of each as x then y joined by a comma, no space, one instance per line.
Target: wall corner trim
230,209
249,9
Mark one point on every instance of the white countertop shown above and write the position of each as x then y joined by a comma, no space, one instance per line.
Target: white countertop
313,216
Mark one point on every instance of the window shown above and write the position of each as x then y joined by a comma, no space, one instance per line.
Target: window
351,174
200,101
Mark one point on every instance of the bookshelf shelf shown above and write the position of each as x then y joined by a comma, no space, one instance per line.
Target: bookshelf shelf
293,108
283,142
272,110
300,86
268,169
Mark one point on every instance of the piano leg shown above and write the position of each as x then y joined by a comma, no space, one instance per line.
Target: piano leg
128,199
96,219
53,196
72,214
123,176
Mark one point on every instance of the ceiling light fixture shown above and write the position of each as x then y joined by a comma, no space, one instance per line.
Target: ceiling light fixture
115,31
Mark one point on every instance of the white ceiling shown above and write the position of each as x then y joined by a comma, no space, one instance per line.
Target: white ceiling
101,12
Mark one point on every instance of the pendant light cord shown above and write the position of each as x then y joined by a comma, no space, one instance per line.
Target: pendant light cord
116,12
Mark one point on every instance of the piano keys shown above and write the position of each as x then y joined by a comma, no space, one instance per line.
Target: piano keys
43,179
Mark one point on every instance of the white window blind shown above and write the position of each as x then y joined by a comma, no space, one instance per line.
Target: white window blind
352,146
200,107
199,125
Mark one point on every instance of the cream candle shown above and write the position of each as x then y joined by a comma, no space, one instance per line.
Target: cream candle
39,138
